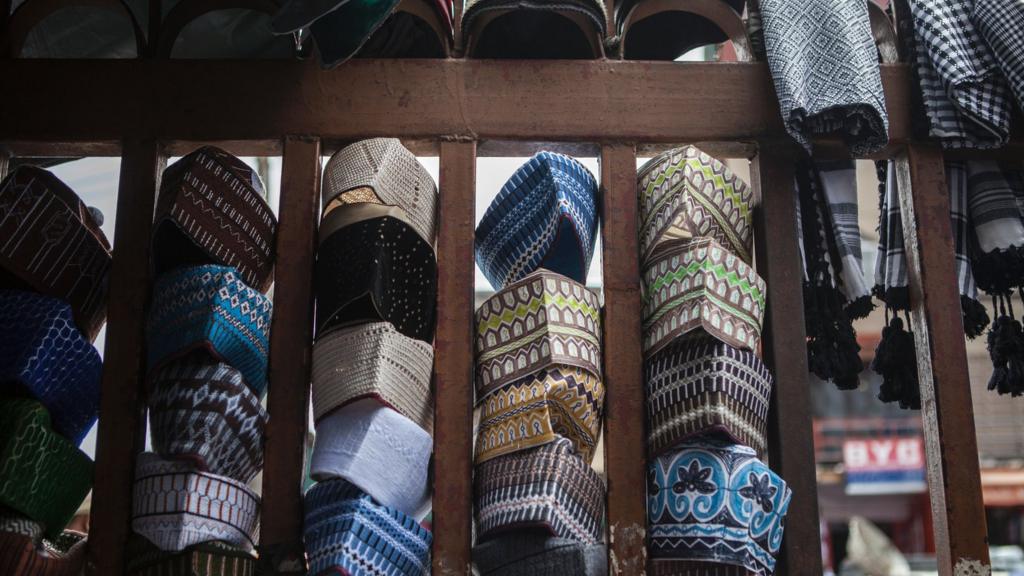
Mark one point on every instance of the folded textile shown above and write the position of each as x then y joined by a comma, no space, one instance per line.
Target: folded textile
206,559
408,33
14,523
702,385
716,502
699,285
669,34
545,216
339,28
832,349
210,308
243,32
663,567
825,67
382,171
379,269
43,353
549,487
998,22
530,29
536,322
377,449
373,360
838,181
537,554
175,506
53,244
81,30
346,531
965,95
212,210
42,475
20,555
684,193
202,412
994,193
556,402
975,316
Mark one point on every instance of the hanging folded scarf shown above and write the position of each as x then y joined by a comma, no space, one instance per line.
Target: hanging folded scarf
175,506
210,308
825,67
203,412
975,317
838,180
373,266
22,556
716,502
206,559
538,554
53,244
965,95
684,193
43,353
696,285
556,402
382,452
545,216
211,210
42,475
539,321
549,488
702,385
373,361
998,22
382,171
347,532
832,350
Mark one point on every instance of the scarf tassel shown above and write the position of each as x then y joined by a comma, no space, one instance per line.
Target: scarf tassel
1006,349
896,362
975,317
999,271
833,352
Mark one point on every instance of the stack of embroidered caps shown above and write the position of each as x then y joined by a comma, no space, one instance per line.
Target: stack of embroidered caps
539,504
207,337
712,505
376,288
54,261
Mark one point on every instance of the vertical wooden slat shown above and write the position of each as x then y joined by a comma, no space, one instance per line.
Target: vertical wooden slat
625,443
790,436
291,338
453,362
121,423
951,448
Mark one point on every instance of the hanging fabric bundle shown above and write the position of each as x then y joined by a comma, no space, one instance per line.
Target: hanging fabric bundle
974,314
832,350
842,233
895,362
998,22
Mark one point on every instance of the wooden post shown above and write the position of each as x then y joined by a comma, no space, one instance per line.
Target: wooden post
291,338
121,425
625,410
453,363
951,449
790,433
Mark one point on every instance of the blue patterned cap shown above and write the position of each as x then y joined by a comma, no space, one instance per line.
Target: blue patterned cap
210,308
715,502
346,529
44,353
546,216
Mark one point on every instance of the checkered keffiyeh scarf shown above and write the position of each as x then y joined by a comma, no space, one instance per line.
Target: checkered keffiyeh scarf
965,95
995,198
999,23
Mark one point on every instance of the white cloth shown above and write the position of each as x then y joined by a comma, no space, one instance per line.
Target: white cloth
382,452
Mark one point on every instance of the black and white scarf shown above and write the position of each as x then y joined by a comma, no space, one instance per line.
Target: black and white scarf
999,23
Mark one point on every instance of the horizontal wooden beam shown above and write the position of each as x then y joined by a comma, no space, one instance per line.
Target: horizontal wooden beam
581,101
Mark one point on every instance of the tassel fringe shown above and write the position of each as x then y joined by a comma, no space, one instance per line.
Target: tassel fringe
896,362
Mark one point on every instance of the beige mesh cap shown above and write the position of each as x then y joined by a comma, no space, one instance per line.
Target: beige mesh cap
393,173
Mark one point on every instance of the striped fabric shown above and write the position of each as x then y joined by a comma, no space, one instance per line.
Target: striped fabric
174,506
536,322
13,523
373,360
838,181
702,385
716,502
203,412
998,22
891,262
536,554
21,556
545,216
995,194
965,95
347,532
53,245
207,559
687,568
959,213
549,487
43,353
212,210
378,450
210,308
43,476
